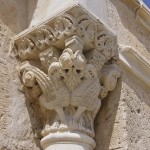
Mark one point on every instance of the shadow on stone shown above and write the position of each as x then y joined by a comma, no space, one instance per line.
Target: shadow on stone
105,120
35,120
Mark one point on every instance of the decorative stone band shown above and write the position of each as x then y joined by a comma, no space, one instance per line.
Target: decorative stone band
68,65
67,141
135,63
75,21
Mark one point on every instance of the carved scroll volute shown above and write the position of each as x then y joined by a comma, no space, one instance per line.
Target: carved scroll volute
70,69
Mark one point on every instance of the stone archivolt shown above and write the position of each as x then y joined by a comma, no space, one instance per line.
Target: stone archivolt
68,66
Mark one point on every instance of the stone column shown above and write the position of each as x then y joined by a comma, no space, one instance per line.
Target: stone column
68,65
49,8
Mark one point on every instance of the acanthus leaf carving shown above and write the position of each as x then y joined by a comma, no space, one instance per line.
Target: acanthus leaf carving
75,70
86,28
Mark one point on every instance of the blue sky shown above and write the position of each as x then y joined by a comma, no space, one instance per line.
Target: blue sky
147,2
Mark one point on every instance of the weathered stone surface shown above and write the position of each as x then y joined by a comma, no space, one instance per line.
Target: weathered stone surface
13,14
16,131
46,9
129,31
72,60
16,14
123,121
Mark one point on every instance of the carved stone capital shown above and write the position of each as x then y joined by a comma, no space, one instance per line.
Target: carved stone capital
68,67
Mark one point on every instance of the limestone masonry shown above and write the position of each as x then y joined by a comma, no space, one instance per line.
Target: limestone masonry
75,74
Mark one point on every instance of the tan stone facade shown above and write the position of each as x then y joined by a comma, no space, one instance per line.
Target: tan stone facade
123,120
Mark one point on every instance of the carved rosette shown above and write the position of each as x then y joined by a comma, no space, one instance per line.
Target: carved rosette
68,67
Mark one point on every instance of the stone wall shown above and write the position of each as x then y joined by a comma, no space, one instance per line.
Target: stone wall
129,31
16,131
16,14
123,121
13,14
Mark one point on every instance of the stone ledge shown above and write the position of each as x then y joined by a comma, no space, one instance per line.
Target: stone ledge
32,40
141,11
135,63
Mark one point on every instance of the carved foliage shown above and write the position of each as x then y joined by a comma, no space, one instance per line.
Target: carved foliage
93,34
75,70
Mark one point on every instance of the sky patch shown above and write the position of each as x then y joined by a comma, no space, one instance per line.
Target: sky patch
147,2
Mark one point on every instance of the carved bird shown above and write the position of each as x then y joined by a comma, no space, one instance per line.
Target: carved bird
85,97
53,98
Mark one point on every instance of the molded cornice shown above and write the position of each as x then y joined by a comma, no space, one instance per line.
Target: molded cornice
141,11
135,63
